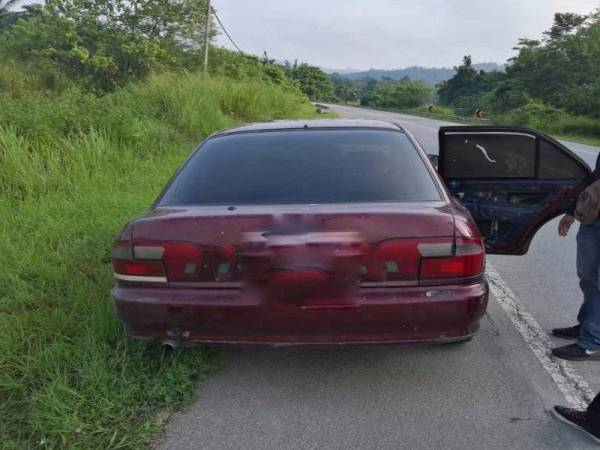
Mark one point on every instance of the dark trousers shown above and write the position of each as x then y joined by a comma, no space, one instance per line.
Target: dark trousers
593,414
588,269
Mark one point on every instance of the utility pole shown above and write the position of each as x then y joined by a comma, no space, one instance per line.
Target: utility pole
207,35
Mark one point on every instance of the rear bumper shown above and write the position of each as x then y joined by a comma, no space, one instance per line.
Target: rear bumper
241,317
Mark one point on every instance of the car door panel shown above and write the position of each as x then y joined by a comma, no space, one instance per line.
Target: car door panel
512,180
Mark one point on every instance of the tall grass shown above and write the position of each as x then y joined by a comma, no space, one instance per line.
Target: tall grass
19,78
73,169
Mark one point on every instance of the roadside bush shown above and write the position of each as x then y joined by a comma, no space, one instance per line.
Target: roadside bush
551,120
580,126
537,115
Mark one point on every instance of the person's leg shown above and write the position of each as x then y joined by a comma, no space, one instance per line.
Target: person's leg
584,253
588,269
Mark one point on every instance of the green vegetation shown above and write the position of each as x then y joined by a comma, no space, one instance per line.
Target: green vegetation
313,82
551,84
393,94
108,43
97,111
75,167
388,93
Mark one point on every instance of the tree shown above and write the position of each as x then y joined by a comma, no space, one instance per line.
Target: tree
564,23
460,84
7,5
398,94
179,22
343,89
466,90
560,72
7,15
241,66
313,82
107,43
508,96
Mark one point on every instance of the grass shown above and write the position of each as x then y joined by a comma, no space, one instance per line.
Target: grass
74,169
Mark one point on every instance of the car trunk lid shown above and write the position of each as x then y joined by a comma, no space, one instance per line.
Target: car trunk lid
300,250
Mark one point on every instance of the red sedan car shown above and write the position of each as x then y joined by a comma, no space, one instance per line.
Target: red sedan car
335,232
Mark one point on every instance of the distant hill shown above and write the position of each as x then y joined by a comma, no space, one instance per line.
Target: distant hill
429,75
340,71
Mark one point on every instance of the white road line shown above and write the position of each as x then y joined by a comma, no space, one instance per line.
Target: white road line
575,389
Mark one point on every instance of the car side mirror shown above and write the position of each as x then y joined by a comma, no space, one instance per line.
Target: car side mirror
434,160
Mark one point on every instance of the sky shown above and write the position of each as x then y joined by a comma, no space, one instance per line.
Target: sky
388,34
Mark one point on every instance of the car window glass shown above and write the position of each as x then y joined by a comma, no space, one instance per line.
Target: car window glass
304,166
555,163
489,155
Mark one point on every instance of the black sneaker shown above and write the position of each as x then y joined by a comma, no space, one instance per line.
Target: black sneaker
574,352
577,419
567,333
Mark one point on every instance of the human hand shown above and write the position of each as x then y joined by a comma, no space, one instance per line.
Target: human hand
565,224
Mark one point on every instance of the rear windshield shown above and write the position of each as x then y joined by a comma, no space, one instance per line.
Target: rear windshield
303,166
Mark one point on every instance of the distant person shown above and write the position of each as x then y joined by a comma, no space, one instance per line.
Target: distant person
587,331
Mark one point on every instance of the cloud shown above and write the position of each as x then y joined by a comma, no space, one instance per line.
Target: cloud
366,34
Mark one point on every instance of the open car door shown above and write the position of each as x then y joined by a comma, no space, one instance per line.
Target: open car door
512,180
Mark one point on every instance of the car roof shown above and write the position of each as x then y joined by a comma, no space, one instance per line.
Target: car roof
312,124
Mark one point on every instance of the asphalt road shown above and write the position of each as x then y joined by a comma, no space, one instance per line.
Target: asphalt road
492,393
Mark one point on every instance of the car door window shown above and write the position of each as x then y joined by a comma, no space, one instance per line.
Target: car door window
489,155
512,180
556,164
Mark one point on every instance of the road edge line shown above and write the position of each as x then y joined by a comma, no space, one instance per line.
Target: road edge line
572,385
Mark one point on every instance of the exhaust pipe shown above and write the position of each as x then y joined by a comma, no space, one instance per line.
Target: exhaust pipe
175,336
169,344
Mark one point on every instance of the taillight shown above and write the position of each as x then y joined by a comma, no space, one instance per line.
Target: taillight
395,260
467,260
407,262
399,260
156,262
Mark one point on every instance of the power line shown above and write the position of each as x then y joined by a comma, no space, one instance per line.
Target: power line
226,32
